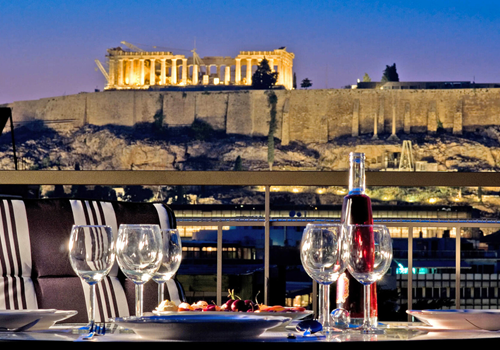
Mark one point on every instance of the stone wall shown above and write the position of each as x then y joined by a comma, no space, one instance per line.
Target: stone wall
303,115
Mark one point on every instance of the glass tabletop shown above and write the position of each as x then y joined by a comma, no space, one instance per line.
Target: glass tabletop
394,332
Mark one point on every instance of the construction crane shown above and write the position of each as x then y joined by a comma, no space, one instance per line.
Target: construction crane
102,69
132,47
196,59
406,163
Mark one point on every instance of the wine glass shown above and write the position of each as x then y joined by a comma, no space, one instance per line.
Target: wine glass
368,256
321,256
172,256
139,254
92,254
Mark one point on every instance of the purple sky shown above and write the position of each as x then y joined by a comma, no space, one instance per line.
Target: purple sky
48,48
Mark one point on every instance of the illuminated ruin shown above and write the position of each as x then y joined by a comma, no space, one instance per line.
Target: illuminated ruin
140,69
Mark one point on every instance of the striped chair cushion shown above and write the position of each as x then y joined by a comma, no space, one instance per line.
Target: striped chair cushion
36,272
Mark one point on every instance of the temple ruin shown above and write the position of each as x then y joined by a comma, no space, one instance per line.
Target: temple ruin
140,69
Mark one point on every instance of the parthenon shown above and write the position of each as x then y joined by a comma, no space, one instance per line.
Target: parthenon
139,69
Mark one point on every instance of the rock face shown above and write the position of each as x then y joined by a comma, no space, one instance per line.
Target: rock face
141,148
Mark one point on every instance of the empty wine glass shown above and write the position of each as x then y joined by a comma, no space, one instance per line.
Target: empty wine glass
368,256
172,256
92,254
139,254
321,253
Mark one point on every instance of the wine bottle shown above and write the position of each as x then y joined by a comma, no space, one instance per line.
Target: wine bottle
356,209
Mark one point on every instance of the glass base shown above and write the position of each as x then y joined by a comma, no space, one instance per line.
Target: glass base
358,321
341,318
367,330
357,326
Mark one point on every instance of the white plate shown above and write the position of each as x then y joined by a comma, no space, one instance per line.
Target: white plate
49,320
292,315
460,319
201,326
46,317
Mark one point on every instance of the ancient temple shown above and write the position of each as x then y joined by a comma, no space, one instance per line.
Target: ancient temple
140,69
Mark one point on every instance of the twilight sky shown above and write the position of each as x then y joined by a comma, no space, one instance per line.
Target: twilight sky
48,48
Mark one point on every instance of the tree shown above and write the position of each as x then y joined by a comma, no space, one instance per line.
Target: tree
238,164
306,83
264,78
366,78
390,74
294,81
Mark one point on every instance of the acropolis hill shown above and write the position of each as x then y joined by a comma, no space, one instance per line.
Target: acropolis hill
303,115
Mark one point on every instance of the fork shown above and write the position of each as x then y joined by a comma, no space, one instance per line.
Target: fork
95,329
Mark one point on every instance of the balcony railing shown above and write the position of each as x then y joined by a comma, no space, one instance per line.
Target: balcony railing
276,178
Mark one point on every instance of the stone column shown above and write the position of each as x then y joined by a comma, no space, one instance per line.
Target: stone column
227,75
407,119
163,73
237,73
355,119
286,68
184,71
394,128
249,71
195,74
131,73
271,64
432,118
142,72
152,72
173,72
111,73
458,119
280,72
375,128
121,72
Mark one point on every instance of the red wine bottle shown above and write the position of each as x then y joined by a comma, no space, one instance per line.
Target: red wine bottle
356,209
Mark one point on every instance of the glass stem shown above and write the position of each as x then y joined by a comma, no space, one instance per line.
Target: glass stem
91,312
326,308
138,299
161,292
367,307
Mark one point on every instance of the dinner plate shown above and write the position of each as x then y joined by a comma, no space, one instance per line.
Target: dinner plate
50,319
460,319
10,319
202,326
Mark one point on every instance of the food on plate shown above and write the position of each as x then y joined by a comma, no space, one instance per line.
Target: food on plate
199,305
212,307
234,304
167,305
185,307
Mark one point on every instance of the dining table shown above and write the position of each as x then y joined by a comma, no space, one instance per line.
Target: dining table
394,335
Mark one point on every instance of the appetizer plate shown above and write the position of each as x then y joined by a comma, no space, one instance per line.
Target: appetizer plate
206,326
460,319
292,315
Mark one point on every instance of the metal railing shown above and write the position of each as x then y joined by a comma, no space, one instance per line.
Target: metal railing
275,178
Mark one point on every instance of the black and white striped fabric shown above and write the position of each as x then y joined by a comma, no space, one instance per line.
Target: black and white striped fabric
16,286
34,261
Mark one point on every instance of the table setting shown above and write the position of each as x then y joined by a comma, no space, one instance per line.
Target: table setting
146,252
